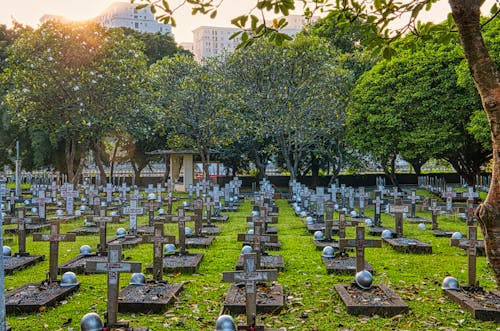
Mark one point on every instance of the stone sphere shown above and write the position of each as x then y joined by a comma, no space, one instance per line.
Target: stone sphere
161,211
364,279
255,213
318,235
188,232
59,203
151,196
387,234
422,226
68,279
250,231
26,202
246,249
7,251
103,203
121,232
91,322
113,213
137,279
354,214
185,203
225,323
78,213
309,220
85,250
450,283
169,249
83,208
303,213
59,212
368,222
34,210
457,235
328,251
336,206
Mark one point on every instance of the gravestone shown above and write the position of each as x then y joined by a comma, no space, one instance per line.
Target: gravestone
131,239
30,297
78,264
181,261
377,228
258,240
208,228
400,243
243,298
413,218
436,231
22,259
113,267
482,304
471,196
329,229
156,295
198,239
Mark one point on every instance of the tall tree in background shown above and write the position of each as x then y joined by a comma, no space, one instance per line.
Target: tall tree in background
76,82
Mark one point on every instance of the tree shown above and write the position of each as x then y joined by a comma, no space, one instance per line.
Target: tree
76,82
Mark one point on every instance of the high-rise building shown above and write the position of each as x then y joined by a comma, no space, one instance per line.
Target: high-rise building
125,14
210,41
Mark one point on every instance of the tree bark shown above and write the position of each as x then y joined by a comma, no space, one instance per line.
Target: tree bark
99,163
466,14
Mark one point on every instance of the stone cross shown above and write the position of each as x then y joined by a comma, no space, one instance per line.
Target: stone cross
190,191
258,238
250,275
150,189
54,238
329,207
113,268
414,197
151,205
198,220
449,195
21,221
378,207
124,190
69,194
158,239
342,224
42,200
435,209
360,243
181,220
350,197
471,255
333,191
471,195
170,200
159,192
109,193
133,211
398,209
102,222
362,197
320,199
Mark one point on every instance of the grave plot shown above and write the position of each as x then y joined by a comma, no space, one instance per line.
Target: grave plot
400,243
251,294
258,241
30,297
376,229
197,239
131,239
482,304
113,267
78,264
343,264
378,300
181,261
22,259
156,295
361,297
327,239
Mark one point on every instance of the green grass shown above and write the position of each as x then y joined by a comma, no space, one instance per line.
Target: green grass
312,304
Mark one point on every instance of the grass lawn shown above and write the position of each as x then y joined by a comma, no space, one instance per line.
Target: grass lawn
312,303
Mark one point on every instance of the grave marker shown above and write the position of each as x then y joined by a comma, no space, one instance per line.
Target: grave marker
398,209
133,211
158,239
360,243
113,268
54,238
435,209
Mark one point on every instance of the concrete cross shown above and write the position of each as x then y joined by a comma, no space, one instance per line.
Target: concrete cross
158,239
133,211
250,275
54,238
398,209
113,268
435,209
360,243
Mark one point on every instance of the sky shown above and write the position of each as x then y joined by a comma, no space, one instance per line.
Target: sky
29,12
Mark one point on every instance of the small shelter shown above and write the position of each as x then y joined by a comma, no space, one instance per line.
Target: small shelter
181,162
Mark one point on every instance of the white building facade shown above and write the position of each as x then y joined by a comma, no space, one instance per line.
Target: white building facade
125,14
211,41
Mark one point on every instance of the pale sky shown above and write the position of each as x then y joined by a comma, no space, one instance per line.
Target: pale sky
29,12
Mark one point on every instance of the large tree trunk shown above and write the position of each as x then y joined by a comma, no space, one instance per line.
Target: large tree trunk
73,169
99,163
466,14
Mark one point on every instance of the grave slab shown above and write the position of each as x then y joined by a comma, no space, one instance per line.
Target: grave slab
221,218
482,304
377,230
78,264
199,242
409,245
210,230
85,231
185,263
320,244
154,297
343,265
266,262
442,233
418,220
29,228
269,298
379,300
15,263
126,242
31,297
